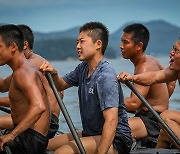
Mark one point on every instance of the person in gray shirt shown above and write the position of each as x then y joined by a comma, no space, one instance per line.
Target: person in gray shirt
101,101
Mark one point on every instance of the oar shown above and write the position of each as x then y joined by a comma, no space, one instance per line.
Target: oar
4,109
171,134
65,113
6,147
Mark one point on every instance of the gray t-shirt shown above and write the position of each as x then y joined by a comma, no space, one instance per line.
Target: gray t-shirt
97,93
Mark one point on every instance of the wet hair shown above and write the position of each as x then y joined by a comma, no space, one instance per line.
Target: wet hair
139,34
12,34
97,31
27,34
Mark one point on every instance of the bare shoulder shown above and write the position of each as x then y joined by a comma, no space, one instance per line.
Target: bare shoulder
37,60
150,64
25,74
156,61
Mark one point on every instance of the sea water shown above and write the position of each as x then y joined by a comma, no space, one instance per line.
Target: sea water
71,97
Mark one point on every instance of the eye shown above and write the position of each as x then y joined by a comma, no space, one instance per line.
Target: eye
176,51
125,42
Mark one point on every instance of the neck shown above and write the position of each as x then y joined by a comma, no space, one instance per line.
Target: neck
17,61
28,53
138,59
93,64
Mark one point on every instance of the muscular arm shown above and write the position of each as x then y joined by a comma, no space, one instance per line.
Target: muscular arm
4,101
149,78
133,103
109,128
5,83
29,87
171,86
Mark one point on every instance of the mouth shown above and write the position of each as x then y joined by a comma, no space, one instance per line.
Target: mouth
122,53
79,53
171,61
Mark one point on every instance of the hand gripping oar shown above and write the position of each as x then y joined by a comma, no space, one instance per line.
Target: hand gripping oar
171,134
4,109
65,113
6,147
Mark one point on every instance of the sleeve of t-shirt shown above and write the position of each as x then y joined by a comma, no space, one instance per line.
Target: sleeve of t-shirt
108,90
72,78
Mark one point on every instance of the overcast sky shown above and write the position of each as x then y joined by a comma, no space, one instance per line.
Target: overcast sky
58,15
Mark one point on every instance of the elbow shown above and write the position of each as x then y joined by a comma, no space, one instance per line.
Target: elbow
132,106
113,122
40,109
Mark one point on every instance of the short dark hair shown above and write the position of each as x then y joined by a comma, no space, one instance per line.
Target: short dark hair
11,33
27,34
97,31
139,34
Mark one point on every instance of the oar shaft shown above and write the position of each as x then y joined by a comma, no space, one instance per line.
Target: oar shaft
4,109
65,113
163,124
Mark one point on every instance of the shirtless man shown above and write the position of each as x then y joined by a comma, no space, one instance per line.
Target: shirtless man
133,45
172,73
29,103
36,60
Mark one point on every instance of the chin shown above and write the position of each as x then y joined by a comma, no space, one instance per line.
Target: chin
125,57
171,67
81,59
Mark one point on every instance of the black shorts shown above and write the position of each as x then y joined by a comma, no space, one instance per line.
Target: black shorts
28,142
150,122
54,126
122,143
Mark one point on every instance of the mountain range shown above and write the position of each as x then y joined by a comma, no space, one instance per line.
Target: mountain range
62,44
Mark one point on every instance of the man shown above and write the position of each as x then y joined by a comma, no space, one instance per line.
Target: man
103,115
29,103
133,45
36,60
171,73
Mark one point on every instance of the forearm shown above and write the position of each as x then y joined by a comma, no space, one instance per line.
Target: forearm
58,81
107,137
4,101
5,83
145,79
171,86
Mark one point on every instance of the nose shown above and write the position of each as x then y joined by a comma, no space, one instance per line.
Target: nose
78,46
172,52
121,46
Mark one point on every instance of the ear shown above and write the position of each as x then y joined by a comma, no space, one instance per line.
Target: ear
99,44
26,45
140,46
13,48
